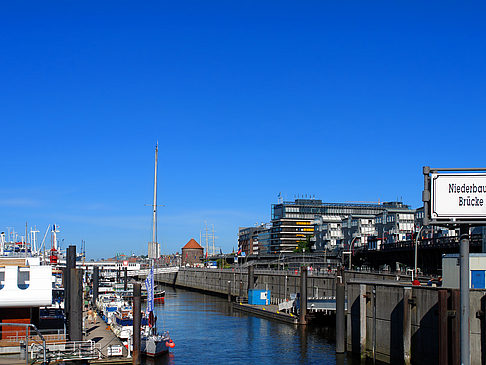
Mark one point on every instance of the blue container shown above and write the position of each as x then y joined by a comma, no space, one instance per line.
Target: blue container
258,297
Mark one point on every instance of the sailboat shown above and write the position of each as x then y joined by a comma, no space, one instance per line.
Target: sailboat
153,343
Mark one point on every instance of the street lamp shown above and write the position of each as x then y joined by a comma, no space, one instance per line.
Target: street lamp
416,250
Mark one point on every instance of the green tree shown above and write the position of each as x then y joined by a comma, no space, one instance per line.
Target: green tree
304,246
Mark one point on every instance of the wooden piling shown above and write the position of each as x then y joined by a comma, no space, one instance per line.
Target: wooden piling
303,296
96,284
76,305
125,279
455,327
137,321
443,331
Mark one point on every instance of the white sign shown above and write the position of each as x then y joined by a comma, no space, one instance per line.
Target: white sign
458,195
115,350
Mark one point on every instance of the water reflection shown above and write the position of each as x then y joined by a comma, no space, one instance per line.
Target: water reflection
206,330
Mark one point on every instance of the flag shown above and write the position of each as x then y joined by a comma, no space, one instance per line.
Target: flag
206,254
239,251
149,284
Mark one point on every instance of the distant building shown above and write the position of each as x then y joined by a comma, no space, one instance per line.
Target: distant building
396,223
357,228
295,221
264,239
248,238
192,253
328,232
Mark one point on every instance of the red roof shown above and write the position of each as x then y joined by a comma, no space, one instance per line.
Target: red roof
192,244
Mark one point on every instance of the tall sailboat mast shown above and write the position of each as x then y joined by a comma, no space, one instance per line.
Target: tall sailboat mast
154,223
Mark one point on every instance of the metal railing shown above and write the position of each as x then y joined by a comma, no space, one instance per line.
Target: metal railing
69,350
23,341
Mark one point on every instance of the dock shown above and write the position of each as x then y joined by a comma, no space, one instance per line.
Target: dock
100,333
267,311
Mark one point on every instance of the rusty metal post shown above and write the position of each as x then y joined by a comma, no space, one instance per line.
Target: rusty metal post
443,332
455,330
137,321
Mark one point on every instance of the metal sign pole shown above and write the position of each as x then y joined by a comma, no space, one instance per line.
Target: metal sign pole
456,198
464,289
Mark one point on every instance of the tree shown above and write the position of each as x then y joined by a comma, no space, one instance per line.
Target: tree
304,246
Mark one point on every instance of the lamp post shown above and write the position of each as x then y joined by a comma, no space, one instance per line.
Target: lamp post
416,251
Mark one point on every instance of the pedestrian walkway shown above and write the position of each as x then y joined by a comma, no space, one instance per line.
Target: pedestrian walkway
101,334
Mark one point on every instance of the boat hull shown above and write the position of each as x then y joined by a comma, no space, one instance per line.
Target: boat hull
153,347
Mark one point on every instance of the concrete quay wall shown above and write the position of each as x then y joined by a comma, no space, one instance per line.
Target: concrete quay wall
280,283
217,281
404,326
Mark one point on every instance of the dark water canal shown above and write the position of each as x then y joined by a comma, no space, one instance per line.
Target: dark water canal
207,331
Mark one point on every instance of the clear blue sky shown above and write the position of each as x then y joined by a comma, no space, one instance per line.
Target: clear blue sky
342,100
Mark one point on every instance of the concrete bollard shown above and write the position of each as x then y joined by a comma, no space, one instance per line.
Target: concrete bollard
362,320
340,332
251,277
407,326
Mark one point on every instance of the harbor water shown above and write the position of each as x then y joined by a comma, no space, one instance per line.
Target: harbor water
206,330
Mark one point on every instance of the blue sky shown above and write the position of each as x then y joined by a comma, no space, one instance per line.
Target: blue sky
342,100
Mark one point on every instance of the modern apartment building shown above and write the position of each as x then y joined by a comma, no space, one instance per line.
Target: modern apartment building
396,223
294,221
328,232
249,238
357,228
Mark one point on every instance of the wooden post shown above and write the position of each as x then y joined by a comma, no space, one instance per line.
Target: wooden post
229,291
443,332
456,327
303,296
137,321
125,279
96,284
362,320
76,304
70,264
407,326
